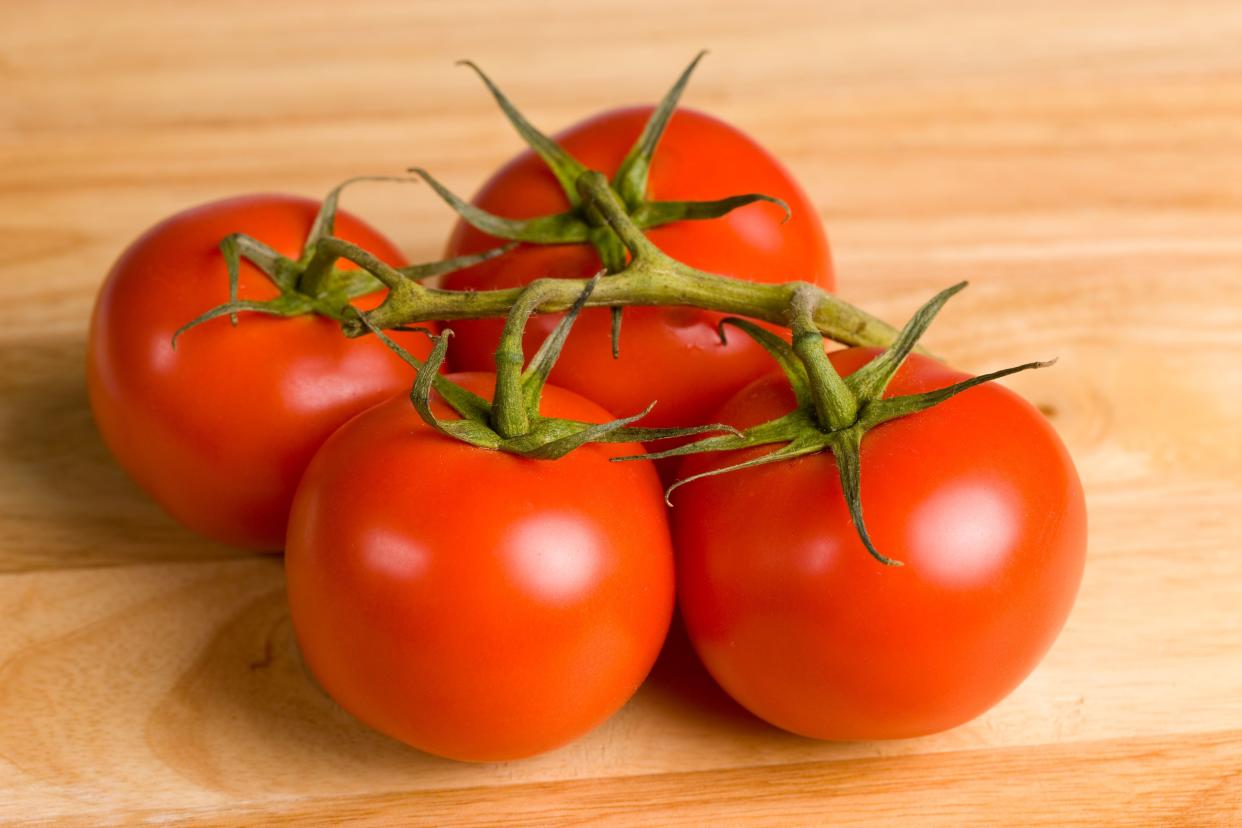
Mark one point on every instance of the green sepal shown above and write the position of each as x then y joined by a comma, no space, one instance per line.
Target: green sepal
281,270
614,330
651,435
280,306
781,430
869,381
590,433
560,228
630,180
789,451
890,408
535,376
325,220
232,263
845,446
428,270
466,429
472,427
779,350
564,166
656,213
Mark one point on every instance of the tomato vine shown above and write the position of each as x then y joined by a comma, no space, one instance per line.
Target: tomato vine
833,415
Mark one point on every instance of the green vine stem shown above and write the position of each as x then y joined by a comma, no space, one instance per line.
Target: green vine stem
651,278
833,413
511,421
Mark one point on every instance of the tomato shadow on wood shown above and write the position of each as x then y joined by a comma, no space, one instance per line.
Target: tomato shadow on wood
680,681
77,507
248,717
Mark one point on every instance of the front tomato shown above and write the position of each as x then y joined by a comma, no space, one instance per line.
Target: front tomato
219,429
979,499
475,604
670,354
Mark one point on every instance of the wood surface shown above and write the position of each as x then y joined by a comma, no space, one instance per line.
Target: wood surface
1080,163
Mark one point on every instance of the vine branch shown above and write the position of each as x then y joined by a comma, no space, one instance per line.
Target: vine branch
650,278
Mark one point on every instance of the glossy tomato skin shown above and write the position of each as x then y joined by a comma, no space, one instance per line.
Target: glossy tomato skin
219,430
672,355
789,613
474,604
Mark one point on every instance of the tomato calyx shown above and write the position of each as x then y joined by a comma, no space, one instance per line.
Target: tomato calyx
312,283
511,421
581,223
833,413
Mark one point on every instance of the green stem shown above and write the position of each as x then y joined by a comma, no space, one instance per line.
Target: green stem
836,407
328,251
652,278
509,412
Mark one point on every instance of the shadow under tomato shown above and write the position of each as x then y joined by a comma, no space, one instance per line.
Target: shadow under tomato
78,507
680,681
247,716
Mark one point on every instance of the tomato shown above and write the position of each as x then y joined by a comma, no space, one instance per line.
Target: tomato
219,430
979,499
669,354
476,604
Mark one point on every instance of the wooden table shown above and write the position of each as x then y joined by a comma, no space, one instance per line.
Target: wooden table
1081,163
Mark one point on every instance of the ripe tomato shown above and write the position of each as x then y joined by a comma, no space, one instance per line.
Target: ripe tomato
669,354
475,604
979,499
219,430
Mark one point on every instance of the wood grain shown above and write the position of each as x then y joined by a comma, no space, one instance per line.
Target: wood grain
1080,163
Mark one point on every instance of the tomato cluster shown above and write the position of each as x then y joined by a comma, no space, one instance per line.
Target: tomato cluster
483,605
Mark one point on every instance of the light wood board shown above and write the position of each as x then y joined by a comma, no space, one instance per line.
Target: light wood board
1080,163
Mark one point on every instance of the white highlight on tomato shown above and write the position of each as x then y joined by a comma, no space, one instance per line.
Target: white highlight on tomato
974,522
555,556
393,555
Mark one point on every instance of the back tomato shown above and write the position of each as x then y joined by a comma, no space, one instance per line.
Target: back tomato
219,430
475,604
669,354
976,496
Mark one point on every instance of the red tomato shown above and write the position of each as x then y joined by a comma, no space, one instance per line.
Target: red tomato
669,354
219,430
475,604
979,499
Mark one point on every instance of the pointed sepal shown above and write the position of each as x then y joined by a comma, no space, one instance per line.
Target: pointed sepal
429,270
846,450
869,381
588,433
559,228
630,180
779,350
280,306
656,213
784,429
883,410
540,366
564,166
789,451
325,220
